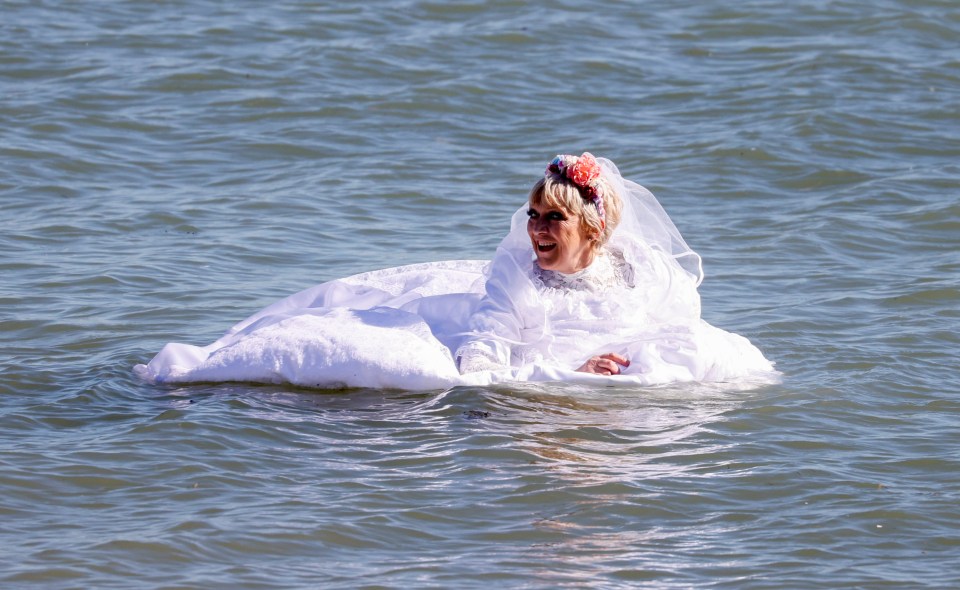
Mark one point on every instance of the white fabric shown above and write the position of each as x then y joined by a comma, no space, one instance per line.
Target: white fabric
401,327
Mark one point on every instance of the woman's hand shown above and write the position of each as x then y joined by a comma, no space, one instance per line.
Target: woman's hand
605,364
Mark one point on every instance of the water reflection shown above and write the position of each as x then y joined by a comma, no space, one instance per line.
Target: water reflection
578,481
606,460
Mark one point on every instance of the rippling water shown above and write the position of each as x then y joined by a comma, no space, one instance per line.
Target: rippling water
171,167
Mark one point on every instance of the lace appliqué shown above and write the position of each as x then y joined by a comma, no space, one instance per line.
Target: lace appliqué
608,270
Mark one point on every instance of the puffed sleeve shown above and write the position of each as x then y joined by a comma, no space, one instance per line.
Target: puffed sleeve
503,319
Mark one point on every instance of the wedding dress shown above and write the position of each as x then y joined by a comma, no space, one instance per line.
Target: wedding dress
404,327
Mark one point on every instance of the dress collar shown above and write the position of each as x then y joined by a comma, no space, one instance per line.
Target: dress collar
603,272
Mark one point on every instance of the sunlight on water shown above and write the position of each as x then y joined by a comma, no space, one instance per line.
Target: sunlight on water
171,168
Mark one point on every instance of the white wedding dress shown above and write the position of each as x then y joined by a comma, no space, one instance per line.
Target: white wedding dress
402,327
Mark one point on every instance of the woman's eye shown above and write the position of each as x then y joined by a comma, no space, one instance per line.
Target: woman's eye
550,215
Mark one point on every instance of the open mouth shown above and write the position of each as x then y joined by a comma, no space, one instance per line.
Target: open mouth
545,246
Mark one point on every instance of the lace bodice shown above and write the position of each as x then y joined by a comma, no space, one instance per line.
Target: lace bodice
609,269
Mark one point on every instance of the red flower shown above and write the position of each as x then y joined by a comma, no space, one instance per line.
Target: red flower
584,171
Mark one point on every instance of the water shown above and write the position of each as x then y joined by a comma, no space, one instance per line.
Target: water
170,168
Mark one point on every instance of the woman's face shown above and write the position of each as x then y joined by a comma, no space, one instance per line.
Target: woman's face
558,239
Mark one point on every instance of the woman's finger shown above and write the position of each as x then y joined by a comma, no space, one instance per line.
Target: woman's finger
620,360
605,364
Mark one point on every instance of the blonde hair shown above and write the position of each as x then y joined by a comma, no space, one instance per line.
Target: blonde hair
555,191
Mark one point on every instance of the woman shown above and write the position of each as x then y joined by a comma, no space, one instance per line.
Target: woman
573,212
593,283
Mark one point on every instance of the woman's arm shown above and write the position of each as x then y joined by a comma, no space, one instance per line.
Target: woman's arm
500,320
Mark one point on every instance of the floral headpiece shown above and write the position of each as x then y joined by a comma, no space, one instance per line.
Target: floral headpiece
583,172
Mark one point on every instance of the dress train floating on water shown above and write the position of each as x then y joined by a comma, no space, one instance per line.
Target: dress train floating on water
399,328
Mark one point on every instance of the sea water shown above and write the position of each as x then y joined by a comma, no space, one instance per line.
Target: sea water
168,168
